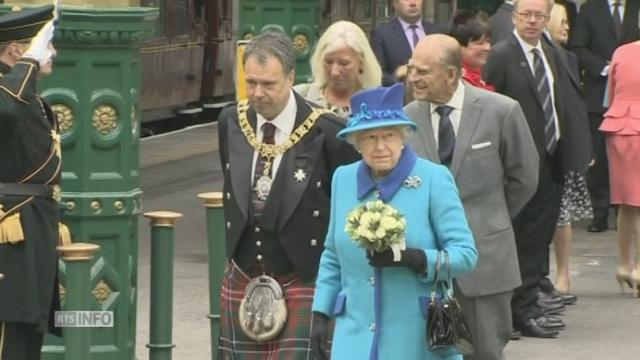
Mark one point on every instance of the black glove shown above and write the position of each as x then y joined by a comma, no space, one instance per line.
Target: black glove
414,259
319,346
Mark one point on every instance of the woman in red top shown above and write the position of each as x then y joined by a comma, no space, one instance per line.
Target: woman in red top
474,37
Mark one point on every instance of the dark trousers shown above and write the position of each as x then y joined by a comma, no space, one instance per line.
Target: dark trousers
20,341
534,227
598,174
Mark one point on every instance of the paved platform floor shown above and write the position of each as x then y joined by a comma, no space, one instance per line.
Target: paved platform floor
602,325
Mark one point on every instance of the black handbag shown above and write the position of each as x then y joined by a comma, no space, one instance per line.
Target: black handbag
447,329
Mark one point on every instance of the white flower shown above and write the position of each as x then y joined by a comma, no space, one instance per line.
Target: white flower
375,225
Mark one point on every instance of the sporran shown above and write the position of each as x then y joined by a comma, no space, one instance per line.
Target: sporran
263,311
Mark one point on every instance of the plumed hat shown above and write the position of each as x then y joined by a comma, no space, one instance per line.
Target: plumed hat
377,107
22,25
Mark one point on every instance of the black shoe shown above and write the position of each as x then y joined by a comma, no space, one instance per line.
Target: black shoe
550,298
551,309
515,335
532,329
550,322
567,298
598,225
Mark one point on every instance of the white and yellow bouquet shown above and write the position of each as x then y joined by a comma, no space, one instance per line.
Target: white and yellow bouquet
376,226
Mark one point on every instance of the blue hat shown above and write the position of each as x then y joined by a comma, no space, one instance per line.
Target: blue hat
377,107
21,25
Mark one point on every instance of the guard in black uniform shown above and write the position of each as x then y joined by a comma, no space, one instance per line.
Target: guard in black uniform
29,178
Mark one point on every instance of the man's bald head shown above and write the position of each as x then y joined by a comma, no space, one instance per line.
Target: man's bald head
435,68
443,48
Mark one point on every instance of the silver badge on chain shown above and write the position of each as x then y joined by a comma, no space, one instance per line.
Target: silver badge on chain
263,187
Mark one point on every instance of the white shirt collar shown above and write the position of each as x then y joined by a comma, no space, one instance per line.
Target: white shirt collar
285,120
456,99
613,2
526,47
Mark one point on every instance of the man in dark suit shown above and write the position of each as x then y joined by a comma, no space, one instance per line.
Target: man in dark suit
501,23
278,155
394,41
525,68
29,179
601,26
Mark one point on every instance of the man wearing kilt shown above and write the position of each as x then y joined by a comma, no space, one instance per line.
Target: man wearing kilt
278,154
29,178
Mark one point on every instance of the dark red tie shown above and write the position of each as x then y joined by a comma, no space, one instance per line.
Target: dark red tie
268,132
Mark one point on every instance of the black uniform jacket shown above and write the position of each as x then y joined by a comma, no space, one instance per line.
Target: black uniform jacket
297,210
29,289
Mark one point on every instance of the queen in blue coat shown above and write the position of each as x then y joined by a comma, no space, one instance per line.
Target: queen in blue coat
374,296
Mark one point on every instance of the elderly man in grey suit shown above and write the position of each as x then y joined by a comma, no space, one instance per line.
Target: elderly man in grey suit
484,139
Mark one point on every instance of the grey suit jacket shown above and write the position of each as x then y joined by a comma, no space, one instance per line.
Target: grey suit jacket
495,165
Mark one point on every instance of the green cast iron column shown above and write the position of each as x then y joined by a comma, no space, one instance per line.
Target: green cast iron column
94,89
217,261
161,300
77,260
297,18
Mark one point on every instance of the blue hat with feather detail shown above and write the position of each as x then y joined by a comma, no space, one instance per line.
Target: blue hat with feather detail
377,107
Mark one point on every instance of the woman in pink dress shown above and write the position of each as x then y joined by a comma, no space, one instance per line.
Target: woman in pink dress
621,126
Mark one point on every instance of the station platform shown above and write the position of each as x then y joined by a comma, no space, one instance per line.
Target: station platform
177,166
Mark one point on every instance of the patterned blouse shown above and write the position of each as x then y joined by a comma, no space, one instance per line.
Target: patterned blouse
313,93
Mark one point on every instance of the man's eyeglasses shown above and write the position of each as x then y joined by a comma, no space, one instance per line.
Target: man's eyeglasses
526,15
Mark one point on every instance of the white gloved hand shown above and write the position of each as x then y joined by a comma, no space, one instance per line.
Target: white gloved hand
39,48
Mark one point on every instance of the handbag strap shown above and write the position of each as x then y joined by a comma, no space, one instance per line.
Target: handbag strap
438,283
449,292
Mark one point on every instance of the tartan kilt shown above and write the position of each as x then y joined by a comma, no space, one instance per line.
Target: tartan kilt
292,343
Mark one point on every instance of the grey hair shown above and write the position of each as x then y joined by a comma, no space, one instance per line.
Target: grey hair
272,44
406,130
549,5
452,56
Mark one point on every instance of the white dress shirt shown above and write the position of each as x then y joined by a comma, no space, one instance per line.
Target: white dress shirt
528,53
455,102
284,127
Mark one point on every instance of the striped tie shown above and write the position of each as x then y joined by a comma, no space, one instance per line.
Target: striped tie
542,85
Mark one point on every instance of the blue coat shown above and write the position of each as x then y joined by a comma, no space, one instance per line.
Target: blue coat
345,285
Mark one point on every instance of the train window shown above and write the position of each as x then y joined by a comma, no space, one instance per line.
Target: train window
159,27
181,17
360,10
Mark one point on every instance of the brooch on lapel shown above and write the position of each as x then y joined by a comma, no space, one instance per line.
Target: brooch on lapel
301,161
412,182
300,175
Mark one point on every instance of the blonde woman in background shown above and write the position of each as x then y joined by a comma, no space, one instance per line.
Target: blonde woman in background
342,64
575,204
